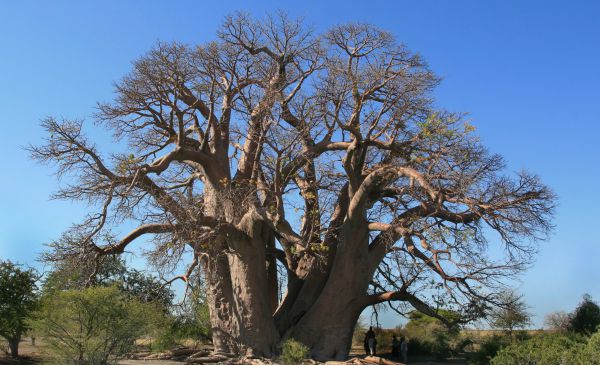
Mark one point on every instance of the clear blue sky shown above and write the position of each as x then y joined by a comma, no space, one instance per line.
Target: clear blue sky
528,72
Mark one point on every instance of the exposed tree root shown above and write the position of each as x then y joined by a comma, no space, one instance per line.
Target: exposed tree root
193,356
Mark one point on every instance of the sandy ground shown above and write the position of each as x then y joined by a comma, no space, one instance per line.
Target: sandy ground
33,352
162,362
149,362
29,351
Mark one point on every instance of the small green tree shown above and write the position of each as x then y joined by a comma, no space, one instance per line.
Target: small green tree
146,288
93,326
69,274
511,313
17,301
111,271
201,315
586,317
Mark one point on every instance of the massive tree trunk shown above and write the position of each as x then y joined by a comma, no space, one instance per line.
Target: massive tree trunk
250,288
326,327
239,295
329,324
325,294
321,306
223,315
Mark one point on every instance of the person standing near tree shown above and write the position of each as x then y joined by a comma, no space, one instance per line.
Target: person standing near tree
371,342
404,350
395,347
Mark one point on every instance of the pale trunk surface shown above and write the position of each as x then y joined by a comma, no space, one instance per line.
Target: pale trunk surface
324,297
320,310
223,317
239,297
250,291
328,327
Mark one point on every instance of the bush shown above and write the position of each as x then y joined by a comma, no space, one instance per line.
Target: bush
179,329
440,348
551,349
428,335
165,339
94,326
590,353
541,350
461,344
192,322
293,352
488,349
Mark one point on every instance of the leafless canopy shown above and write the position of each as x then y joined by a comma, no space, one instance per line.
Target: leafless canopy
305,133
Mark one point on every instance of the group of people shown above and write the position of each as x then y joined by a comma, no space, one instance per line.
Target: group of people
399,347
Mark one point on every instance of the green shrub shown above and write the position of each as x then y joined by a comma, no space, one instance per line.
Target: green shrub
179,329
112,271
488,349
541,350
462,343
590,353
164,340
551,349
429,336
521,335
293,352
93,326
192,322
440,347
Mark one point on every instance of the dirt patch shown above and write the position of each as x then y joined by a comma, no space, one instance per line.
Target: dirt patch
149,362
32,356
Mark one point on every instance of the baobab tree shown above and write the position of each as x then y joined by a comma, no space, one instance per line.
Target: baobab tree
324,154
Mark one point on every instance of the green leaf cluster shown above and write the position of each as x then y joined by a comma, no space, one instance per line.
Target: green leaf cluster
293,352
93,326
552,349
